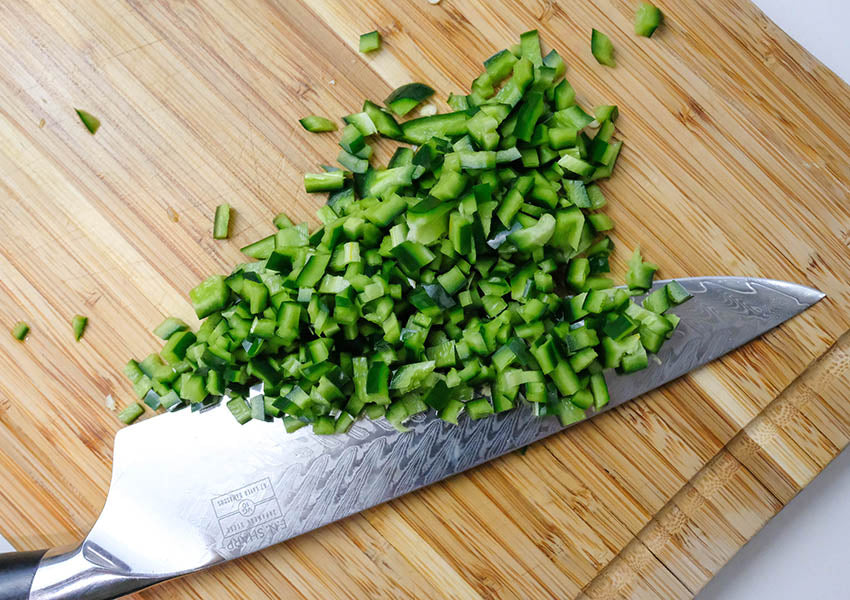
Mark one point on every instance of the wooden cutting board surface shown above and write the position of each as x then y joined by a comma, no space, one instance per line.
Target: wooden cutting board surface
735,163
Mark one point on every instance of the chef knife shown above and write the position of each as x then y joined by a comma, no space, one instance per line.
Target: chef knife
193,490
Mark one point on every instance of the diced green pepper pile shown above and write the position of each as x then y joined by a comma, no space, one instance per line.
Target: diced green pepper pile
466,276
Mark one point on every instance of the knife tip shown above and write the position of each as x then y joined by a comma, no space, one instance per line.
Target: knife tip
805,296
815,296
808,296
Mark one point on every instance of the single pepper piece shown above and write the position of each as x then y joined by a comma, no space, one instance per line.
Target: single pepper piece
91,122
676,293
240,410
369,42
131,413
169,327
647,19
639,276
210,296
261,248
602,48
20,330
384,122
78,323
281,221
479,408
317,124
407,97
420,131
324,182
221,222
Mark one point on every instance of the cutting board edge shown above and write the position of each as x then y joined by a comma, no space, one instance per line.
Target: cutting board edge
752,442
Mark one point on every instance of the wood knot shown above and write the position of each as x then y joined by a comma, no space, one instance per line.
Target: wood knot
102,384
92,298
767,51
394,27
582,498
93,437
814,262
692,112
769,58
551,544
302,89
488,584
547,8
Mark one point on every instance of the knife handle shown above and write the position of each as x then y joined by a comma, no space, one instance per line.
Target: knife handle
83,572
17,570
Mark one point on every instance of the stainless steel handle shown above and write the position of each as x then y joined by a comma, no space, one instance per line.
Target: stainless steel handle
85,572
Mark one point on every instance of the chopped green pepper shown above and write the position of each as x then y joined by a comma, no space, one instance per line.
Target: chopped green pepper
639,276
169,327
433,279
407,97
210,296
479,408
91,122
317,124
78,324
676,292
240,410
369,42
647,19
324,182
131,413
20,330
221,222
602,48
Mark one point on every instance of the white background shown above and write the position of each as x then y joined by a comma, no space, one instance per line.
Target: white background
805,550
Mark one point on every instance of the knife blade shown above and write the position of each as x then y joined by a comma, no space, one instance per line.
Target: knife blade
190,490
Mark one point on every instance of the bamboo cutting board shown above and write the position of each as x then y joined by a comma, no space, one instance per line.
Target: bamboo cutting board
735,163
